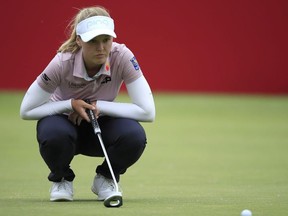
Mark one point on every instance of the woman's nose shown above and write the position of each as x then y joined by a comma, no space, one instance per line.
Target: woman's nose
99,46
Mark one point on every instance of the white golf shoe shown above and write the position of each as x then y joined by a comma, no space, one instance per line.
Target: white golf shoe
104,187
61,191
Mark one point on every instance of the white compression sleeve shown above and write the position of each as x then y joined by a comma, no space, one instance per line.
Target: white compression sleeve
142,107
36,104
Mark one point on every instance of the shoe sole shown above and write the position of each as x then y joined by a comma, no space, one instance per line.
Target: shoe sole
59,199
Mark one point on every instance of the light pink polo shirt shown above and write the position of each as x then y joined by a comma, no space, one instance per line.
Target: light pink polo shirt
66,76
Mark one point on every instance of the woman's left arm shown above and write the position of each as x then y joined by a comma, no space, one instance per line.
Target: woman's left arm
142,107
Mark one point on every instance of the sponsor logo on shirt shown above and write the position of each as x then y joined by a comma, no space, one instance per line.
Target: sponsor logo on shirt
135,63
106,80
45,78
76,85
107,66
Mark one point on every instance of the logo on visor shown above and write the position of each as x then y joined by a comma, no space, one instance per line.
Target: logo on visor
135,63
93,24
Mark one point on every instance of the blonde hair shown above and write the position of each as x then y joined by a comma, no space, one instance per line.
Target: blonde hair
70,44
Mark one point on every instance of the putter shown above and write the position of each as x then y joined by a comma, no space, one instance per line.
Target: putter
115,200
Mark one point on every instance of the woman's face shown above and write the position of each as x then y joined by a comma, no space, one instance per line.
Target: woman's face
95,51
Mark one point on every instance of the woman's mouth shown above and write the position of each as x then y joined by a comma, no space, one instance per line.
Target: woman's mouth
100,55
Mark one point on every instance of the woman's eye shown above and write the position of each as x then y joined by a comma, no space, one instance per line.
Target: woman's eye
106,40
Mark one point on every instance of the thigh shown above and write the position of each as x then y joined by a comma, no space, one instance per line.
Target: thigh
56,127
113,131
116,129
59,129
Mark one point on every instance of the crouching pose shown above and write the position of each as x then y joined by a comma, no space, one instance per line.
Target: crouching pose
89,66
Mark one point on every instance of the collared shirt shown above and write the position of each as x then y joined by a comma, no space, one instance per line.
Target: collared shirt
66,76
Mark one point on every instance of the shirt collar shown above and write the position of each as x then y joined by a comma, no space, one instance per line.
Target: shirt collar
79,69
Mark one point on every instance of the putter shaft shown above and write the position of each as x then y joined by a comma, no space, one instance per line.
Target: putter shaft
108,161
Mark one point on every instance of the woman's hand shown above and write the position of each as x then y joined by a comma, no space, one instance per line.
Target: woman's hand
79,107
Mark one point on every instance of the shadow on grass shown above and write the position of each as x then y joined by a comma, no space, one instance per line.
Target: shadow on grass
84,200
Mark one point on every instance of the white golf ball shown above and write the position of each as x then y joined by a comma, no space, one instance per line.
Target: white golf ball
246,212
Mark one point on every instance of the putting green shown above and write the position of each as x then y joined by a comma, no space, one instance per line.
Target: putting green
208,155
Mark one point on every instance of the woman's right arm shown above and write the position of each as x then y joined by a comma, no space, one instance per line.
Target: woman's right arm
36,104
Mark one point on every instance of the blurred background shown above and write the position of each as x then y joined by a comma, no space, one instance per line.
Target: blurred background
207,46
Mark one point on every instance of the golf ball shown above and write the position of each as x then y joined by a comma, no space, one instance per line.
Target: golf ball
246,212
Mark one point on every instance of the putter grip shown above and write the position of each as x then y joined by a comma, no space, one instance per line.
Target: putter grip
93,119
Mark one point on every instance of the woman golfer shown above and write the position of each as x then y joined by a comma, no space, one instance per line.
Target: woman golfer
89,66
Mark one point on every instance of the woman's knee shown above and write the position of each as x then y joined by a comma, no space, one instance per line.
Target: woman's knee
134,138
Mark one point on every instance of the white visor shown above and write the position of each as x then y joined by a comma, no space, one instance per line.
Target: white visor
93,26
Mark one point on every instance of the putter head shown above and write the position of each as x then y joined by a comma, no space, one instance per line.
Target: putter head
115,200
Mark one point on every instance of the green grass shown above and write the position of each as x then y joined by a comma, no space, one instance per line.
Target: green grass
208,155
